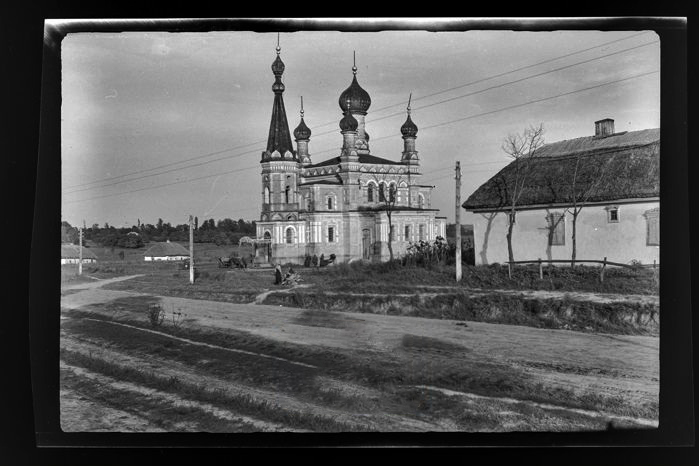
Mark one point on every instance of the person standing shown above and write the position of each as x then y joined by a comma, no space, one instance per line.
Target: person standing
278,275
314,260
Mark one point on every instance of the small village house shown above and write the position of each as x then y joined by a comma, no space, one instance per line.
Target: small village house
166,252
70,254
613,176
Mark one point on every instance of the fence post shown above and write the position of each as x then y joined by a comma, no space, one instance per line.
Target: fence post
509,269
601,274
541,270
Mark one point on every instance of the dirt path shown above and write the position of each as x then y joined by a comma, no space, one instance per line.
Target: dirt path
569,359
185,374
98,283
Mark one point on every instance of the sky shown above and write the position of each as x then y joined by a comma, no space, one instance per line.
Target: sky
164,125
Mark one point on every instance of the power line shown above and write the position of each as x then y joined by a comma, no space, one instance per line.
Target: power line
376,119
384,137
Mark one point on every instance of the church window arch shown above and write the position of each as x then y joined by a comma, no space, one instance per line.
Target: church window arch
330,201
266,195
290,235
370,192
421,201
382,193
267,234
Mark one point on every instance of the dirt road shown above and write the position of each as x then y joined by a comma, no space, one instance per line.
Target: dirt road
431,352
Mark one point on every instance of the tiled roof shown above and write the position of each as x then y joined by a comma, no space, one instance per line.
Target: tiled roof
363,158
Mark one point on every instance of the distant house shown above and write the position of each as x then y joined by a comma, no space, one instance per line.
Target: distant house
617,182
166,252
70,254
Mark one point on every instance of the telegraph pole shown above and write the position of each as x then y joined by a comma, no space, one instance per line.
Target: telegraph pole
80,257
457,217
191,250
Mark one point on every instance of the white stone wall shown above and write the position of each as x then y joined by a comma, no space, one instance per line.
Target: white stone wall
597,237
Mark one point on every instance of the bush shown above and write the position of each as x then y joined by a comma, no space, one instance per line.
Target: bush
156,315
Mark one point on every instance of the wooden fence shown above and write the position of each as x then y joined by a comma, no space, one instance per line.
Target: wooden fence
604,262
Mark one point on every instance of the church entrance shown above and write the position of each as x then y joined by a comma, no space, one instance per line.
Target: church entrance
366,243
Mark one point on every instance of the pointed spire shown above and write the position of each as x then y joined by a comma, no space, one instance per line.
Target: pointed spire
302,132
354,62
279,138
409,129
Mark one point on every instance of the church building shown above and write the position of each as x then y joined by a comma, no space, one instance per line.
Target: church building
347,205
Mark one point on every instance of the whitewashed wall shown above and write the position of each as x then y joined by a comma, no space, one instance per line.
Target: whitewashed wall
596,237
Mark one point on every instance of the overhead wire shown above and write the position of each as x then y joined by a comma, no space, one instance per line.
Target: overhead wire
210,154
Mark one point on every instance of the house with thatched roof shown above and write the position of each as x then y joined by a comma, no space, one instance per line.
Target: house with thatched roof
70,254
611,179
166,252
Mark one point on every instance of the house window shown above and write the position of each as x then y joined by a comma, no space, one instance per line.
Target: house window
290,233
370,193
557,229
612,215
422,232
653,227
331,234
407,233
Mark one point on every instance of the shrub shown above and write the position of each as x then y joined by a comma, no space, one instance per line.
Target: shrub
156,315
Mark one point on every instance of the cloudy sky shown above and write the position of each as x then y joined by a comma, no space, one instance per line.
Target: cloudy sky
163,125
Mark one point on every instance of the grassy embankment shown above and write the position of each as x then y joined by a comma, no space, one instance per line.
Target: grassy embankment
414,291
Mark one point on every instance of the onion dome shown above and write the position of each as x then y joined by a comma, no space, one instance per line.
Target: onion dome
409,129
302,132
349,123
359,98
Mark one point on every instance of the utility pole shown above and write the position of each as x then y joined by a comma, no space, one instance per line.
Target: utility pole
80,257
457,217
191,250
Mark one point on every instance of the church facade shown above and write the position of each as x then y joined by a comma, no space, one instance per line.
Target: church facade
347,205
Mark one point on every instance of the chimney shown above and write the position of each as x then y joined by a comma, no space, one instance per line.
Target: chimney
604,128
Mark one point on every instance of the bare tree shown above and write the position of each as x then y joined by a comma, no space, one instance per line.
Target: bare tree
387,198
519,147
587,179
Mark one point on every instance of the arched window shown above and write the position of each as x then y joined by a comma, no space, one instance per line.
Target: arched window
370,192
286,194
330,203
382,195
266,195
421,201
392,192
268,235
290,234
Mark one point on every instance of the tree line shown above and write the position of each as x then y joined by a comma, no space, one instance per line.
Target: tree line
221,232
